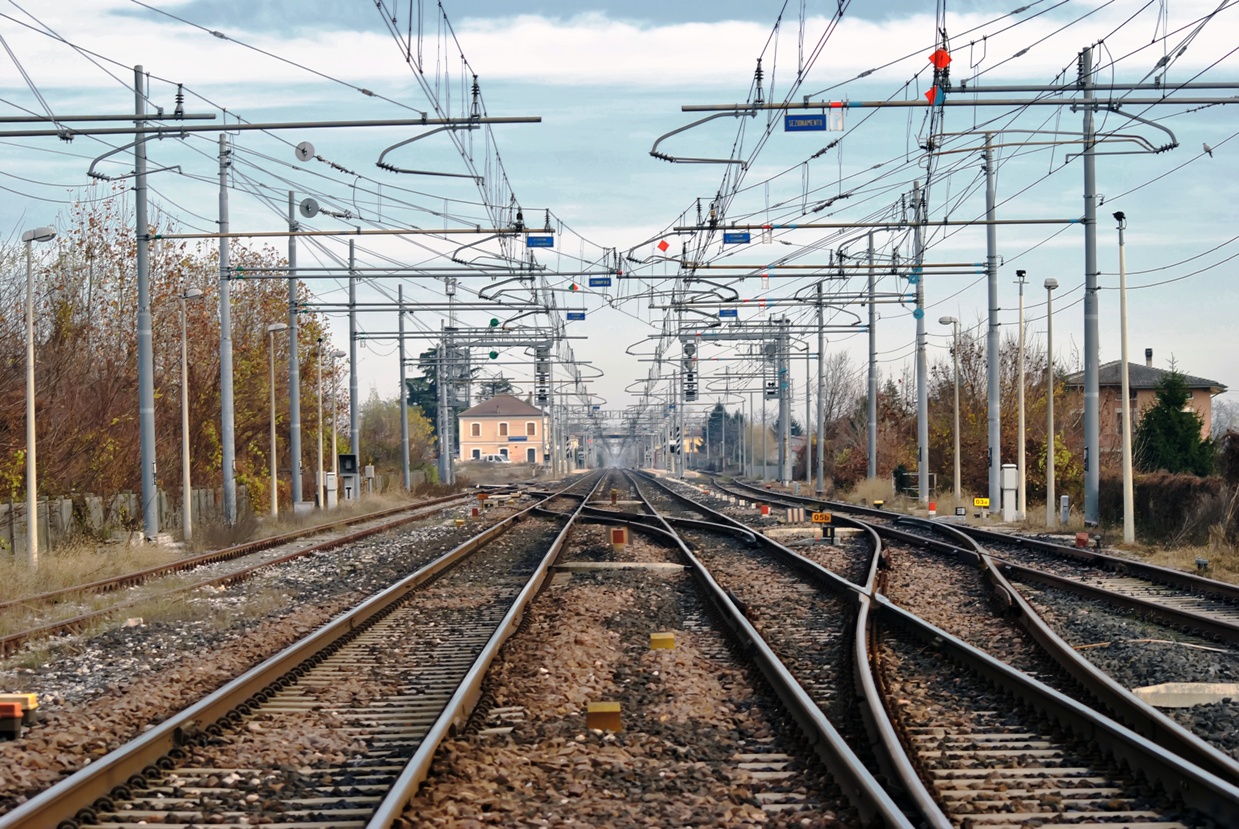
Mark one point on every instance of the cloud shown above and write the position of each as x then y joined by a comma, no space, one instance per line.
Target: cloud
587,49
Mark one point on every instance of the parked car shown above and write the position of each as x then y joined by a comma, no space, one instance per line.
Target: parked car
496,459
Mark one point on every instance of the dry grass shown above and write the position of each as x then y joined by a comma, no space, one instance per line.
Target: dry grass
86,560
179,608
167,608
870,490
251,528
79,562
1223,560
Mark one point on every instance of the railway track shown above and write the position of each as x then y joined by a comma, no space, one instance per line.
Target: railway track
1206,741
704,741
935,684
793,613
338,729
1186,601
229,566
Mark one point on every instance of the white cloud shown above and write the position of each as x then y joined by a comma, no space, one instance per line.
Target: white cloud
587,49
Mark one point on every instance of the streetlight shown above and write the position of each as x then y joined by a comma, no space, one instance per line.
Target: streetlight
275,494
1050,285
954,323
319,483
335,455
38,234
1022,492
187,521
1129,518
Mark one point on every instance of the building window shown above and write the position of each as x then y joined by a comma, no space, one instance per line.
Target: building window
475,430
531,455
477,453
503,430
504,450
531,428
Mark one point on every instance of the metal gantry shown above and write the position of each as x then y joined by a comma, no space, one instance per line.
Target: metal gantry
1080,96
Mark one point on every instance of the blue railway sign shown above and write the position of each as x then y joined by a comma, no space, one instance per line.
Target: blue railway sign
804,123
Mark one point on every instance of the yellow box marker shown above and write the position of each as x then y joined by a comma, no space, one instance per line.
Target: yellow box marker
28,702
604,716
665,641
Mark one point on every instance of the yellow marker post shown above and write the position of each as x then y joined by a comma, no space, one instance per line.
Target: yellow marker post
662,641
604,716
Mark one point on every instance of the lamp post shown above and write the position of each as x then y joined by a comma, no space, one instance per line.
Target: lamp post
318,480
187,520
1021,507
1050,515
335,455
38,234
275,492
1129,518
954,323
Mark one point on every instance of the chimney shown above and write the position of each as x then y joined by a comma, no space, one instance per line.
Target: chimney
1148,357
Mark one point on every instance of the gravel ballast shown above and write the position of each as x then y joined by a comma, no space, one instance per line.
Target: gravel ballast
98,692
690,714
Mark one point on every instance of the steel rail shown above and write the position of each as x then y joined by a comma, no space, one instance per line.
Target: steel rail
1135,713
145,757
10,643
850,774
893,758
1128,708
226,554
1219,629
1187,620
1201,790
461,705
1149,572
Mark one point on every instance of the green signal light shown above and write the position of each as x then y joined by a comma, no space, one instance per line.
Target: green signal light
494,355
494,322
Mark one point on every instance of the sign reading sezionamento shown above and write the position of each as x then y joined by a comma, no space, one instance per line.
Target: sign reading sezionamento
804,123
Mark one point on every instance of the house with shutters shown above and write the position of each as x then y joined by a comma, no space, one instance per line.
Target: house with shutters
503,425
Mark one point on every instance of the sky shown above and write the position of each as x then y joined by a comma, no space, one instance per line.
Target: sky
608,79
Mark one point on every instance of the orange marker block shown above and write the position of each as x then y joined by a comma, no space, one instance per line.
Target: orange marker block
11,719
28,702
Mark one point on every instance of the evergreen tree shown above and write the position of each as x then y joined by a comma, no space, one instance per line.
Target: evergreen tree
492,386
1168,436
424,391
